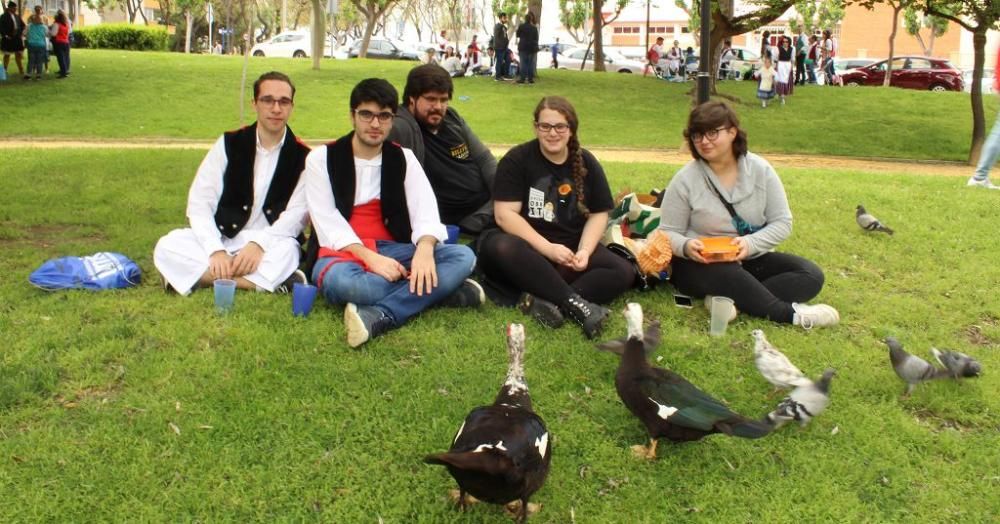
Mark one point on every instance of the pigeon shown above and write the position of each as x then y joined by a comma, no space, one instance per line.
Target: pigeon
869,222
668,405
774,365
501,452
959,365
803,403
650,341
912,369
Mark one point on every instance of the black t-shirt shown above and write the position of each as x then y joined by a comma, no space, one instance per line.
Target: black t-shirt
546,192
454,174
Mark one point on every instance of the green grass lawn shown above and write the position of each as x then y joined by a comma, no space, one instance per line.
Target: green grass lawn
120,95
276,419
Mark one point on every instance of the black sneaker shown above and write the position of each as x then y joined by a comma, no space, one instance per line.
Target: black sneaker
589,315
469,294
297,277
541,310
364,323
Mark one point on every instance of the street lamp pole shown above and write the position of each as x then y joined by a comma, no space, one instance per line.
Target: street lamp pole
647,24
703,78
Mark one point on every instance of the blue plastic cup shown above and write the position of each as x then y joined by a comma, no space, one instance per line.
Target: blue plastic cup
303,296
452,234
225,294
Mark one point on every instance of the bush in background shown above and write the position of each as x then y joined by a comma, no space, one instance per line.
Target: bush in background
122,36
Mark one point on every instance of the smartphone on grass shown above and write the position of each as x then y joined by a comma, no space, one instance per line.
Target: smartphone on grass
683,301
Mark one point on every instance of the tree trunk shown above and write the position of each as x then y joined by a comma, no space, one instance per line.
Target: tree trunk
598,37
978,117
318,33
535,7
896,8
930,45
369,29
187,33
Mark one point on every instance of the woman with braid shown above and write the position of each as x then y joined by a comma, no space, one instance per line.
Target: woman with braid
551,205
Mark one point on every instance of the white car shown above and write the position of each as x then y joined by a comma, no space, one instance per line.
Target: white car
613,61
290,44
987,80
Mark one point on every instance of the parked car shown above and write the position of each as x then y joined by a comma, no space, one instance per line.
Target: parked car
842,65
987,82
544,58
614,61
909,72
383,48
290,44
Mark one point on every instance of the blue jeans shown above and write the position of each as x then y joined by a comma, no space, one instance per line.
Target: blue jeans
503,62
527,70
990,152
811,71
37,57
349,282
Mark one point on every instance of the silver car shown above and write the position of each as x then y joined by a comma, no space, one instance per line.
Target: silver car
572,58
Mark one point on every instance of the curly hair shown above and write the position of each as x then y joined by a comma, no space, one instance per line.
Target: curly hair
563,107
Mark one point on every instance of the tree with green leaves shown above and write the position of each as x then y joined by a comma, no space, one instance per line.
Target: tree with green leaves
916,21
816,15
373,11
574,15
693,9
978,17
726,24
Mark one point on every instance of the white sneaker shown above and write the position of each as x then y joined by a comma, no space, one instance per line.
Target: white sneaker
708,306
818,315
981,183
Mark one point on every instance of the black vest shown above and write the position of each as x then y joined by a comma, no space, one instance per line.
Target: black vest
343,180
236,202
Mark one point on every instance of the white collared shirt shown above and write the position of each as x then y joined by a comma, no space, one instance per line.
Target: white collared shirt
329,224
203,201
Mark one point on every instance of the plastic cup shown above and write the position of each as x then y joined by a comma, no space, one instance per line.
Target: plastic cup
452,234
722,310
303,296
225,294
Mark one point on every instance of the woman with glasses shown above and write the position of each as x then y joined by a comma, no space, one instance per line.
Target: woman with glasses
551,202
726,191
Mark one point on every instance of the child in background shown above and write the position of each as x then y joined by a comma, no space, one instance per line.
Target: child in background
765,84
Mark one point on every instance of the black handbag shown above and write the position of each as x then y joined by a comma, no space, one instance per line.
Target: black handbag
643,282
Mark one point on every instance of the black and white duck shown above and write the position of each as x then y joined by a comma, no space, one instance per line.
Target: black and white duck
668,405
501,453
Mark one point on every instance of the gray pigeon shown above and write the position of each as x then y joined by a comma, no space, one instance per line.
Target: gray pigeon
912,369
774,365
869,222
804,403
959,365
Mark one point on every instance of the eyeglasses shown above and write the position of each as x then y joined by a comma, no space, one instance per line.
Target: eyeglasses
366,116
269,101
546,127
712,134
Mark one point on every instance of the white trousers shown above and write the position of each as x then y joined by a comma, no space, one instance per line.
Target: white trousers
181,259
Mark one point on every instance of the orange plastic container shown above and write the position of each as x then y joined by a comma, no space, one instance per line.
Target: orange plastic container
719,249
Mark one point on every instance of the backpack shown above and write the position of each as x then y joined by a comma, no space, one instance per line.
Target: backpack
103,270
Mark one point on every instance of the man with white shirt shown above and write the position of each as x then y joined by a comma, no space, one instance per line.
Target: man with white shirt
246,207
377,234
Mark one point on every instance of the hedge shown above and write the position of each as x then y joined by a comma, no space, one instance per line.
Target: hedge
122,36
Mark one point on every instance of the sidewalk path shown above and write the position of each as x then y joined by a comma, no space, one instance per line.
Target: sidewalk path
610,154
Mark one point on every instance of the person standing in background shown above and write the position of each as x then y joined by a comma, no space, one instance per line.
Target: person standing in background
500,44
527,49
991,147
12,38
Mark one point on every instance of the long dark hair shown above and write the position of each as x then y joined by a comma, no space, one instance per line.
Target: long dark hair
765,41
563,107
713,115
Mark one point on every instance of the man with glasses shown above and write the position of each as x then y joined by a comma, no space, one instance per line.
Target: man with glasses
459,166
246,207
377,236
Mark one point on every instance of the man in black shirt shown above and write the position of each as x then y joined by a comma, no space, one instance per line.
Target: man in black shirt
459,166
501,43
12,37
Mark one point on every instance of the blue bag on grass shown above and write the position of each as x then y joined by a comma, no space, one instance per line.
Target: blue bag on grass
104,270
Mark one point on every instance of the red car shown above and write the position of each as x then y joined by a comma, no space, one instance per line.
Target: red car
910,72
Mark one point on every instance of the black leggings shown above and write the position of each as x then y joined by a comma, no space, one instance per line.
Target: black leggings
510,259
762,287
